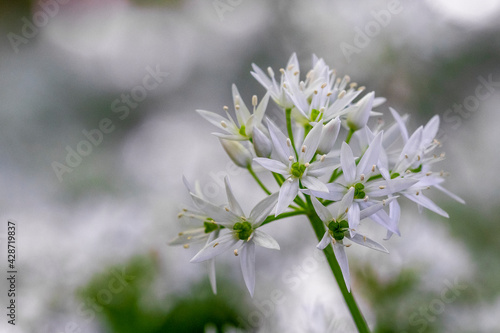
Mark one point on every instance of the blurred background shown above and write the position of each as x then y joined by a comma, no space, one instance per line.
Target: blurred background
98,125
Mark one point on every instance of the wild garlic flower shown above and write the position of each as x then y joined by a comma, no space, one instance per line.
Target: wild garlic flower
337,230
243,233
243,128
297,167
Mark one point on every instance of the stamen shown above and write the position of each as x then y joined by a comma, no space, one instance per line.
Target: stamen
418,193
235,252
408,172
186,246
315,92
307,165
290,67
353,85
346,210
418,157
323,85
406,156
290,158
383,202
304,149
270,72
361,88
341,94
227,209
428,173
189,237
225,108
237,106
381,187
347,245
373,168
216,244
365,199
288,143
223,124
362,177
329,94
322,158
254,100
180,215
180,234
296,73
282,71
364,238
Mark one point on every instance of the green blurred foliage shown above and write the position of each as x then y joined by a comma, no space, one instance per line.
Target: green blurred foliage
135,308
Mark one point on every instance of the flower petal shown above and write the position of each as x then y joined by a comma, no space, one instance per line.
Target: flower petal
314,184
346,202
265,240
279,142
217,120
215,247
311,143
426,202
241,110
323,212
401,124
262,209
370,157
211,274
341,256
234,206
272,165
217,213
247,262
347,162
324,241
365,241
287,194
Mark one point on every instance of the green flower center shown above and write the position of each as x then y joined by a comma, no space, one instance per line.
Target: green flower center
358,191
395,175
243,130
337,229
243,230
298,169
417,169
314,114
210,225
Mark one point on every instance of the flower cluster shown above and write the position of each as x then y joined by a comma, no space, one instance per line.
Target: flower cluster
328,163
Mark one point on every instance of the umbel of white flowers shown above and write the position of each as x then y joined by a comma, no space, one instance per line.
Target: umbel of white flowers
329,162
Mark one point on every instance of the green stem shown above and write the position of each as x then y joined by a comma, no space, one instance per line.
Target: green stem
288,113
258,180
319,230
283,215
349,135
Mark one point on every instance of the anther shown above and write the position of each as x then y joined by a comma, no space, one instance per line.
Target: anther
235,252
323,85
383,202
365,199
237,106
303,149
361,88
290,67
381,187
329,94
223,123
307,165
189,237
353,85
346,210
270,71
180,215
216,244
418,157
227,209
322,158
296,73
180,234
225,108
288,143
186,246
315,92
341,94
418,193
290,158
373,168
364,238
406,156
254,100
282,71
347,245
362,177
428,173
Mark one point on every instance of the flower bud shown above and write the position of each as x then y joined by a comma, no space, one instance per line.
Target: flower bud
261,143
329,136
238,153
358,114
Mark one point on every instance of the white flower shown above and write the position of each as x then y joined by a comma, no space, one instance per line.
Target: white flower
358,114
242,130
206,230
238,153
295,169
243,232
365,189
337,229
